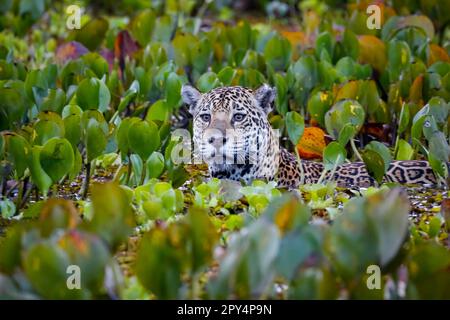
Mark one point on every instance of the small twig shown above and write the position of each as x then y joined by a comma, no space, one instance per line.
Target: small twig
19,195
355,150
118,173
3,186
26,196
143,174
85,186
129,170
36,194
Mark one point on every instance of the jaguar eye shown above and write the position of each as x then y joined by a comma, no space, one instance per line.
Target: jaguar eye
238,117
205,117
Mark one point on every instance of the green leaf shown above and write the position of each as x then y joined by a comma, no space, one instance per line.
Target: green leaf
277,53
344,113
142,26
49,125
96,63
12,107
92,33
375,164
324,42
40,178
352,240
155,165
318,104
397,23
122,134
382,150
201,239
399,59
95,140
10,250
158,111
143,138
404,119
295,125
429,270
57,158
159,262
91,255
72,125
45,266
226,75
281,99
208,81
173,90
350,44
247,267
113,218
347,132
405,151
334,155
7,209
129,96
18,149
93,94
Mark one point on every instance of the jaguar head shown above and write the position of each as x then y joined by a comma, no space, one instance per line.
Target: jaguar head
230,125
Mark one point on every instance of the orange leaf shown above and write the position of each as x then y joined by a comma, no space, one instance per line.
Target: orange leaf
415,91
295,37
70,51
437,53
372,51
312,143
124,46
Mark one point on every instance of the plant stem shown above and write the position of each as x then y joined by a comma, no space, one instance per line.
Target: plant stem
26,196
3,186
396,147
129,171
118,172
195,286
322,176
143,174
333,171
54,190
114,117
86,181
355,150
19,196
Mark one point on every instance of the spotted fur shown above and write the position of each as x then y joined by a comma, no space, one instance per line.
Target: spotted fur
233,136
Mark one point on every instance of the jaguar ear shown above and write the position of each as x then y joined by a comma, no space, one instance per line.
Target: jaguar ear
190,96
265,95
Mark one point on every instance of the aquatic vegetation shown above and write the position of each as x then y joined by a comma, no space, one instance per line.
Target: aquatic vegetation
88,134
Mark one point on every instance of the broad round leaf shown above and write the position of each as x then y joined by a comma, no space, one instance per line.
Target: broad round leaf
334,155
93,94
295,124
155,165
40,178
57,158
343,113
45,266
143,138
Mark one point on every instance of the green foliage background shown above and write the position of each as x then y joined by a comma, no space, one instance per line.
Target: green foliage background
81,107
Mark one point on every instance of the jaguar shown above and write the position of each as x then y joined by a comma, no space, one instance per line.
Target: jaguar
232,134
